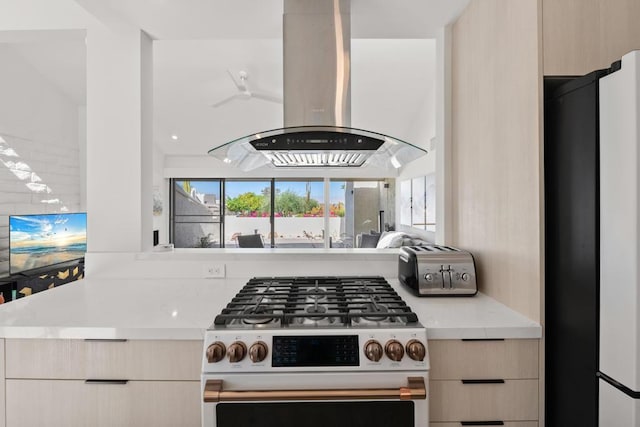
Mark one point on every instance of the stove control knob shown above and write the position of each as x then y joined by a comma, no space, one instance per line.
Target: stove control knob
258,351
394,350
215,352
416,350
373,350
237,351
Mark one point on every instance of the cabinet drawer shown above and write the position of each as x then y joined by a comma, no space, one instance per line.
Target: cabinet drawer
506,424
513,400
73,403
507,359
80,359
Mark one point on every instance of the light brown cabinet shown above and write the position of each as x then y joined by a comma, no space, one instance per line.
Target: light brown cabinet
104,359
582,36
71,403
58,382
483,380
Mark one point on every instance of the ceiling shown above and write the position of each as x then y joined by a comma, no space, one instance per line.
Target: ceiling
197,41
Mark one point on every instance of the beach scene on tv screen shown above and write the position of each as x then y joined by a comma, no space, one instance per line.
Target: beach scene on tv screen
40,240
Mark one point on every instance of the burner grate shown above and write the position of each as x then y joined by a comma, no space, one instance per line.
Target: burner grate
316,301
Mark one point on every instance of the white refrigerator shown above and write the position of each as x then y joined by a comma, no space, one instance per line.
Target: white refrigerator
619,341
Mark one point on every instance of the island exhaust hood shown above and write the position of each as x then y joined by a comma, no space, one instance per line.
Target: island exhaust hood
317,102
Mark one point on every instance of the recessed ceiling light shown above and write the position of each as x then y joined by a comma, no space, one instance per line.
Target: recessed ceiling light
174,137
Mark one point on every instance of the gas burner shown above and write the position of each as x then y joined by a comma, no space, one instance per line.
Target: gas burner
257,320
364,287
313,316
316,294
372,308
280,302
314,310
360,298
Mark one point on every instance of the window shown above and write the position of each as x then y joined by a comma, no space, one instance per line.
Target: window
418,202
357,207
285,213
247,210
299,214
195,213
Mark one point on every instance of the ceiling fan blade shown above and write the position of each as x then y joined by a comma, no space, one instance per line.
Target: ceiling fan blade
228,99
266,97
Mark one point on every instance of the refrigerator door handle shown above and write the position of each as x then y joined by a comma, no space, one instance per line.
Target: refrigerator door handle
623,388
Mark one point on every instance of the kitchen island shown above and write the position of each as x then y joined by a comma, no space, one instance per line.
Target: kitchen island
181,309
129,352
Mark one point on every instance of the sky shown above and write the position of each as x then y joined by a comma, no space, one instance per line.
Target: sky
46,227
235,188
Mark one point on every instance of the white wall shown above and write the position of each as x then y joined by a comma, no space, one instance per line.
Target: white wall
161,192
40,123
119,178
119,149
437,117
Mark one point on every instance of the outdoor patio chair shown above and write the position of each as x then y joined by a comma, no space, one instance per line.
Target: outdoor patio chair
250,241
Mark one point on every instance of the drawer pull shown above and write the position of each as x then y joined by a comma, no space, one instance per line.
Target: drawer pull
482,423
105,340
482,339
112,382
487,381
214,392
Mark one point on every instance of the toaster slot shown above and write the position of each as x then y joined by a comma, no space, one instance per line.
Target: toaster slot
445,270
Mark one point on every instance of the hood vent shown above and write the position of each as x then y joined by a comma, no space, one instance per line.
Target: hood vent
317,146
317,101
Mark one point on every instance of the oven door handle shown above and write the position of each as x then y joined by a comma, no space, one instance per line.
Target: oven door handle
415,390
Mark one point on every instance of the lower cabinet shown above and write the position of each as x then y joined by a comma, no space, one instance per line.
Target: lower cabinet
70,403
509,400
484,382
115,383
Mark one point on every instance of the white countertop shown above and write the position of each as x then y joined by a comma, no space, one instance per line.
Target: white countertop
184,308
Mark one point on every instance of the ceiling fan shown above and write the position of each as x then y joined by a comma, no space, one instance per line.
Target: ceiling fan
244,92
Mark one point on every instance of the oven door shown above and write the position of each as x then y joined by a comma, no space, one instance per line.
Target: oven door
318,399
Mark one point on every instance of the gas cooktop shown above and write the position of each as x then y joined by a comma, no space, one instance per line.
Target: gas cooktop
316,301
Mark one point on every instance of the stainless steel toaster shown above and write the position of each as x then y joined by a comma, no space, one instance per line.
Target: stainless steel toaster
434,270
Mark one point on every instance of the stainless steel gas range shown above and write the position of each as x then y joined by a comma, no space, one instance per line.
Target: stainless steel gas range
315,351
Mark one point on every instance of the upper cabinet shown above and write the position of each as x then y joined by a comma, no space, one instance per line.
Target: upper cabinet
581,36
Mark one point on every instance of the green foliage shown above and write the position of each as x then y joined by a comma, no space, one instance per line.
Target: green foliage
244,203
289,203
310,205
266,200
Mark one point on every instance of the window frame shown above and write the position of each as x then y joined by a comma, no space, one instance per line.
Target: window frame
269,243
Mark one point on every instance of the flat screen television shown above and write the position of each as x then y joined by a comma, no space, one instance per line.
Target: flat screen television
37,241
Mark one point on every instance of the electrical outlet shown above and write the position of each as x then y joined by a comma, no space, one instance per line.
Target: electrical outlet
213,270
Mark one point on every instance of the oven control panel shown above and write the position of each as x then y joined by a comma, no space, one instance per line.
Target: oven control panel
292,350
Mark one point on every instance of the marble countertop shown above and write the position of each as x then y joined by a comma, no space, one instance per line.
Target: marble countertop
182,309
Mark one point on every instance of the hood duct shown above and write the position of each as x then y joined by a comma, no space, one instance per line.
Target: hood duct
317,101
317,62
